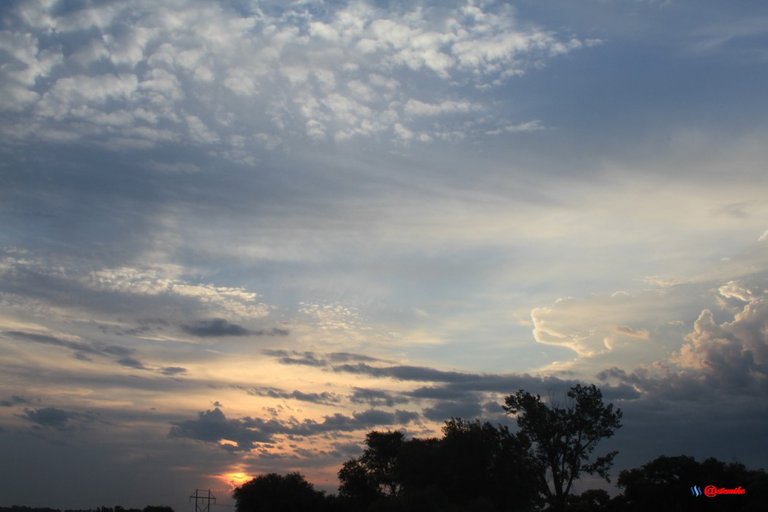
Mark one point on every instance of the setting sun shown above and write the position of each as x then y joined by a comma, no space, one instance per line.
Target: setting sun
235,478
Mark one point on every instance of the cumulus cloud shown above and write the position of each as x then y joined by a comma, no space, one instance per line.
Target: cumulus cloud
217,75
731,354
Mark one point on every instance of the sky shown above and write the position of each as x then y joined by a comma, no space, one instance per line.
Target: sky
237,236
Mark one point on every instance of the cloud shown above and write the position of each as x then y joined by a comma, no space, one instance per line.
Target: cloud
130,362
243,434
318,398
81,349
173,370
213,74
54,418
13,401
214,328
730,354
149,291
604,324
212,426
297,358
453,409
376,397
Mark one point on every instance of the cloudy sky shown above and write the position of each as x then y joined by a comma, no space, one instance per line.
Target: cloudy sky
237,236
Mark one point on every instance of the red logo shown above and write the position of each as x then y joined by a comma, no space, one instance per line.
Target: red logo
711,491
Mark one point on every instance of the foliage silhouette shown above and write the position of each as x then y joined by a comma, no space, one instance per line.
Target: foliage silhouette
565,437
278,493
474,466
665,483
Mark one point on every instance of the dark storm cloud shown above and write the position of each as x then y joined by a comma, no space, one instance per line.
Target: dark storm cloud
215,327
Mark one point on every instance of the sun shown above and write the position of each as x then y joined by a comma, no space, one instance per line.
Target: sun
235,478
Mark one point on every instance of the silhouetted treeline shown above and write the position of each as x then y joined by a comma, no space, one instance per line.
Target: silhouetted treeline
663,484
479,467
117,508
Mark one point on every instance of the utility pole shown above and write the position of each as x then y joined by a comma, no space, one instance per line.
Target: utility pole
203,501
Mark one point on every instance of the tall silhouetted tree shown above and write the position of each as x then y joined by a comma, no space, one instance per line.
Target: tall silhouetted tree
565,437
278,493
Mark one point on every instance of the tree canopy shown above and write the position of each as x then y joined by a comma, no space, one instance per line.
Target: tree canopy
565,437
278,493
474,466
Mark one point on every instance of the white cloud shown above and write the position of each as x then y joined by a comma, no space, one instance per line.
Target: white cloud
731,353
355,61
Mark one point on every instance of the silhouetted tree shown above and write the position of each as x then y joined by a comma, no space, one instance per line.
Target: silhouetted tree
564,437
593,500
278,493
474,467
665,484
372,476
480,461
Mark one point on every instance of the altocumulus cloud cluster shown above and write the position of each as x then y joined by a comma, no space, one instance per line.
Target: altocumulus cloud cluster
232,76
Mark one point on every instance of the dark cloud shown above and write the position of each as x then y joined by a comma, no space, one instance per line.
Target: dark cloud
452,409
358,421
376,397
413,373
309,358
52,417
130,362
297,358
212,426
340,357
173,370
214,327
78,347
14,400
318,398
82,350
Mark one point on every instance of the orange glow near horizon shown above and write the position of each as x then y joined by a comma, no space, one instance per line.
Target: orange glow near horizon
234,478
